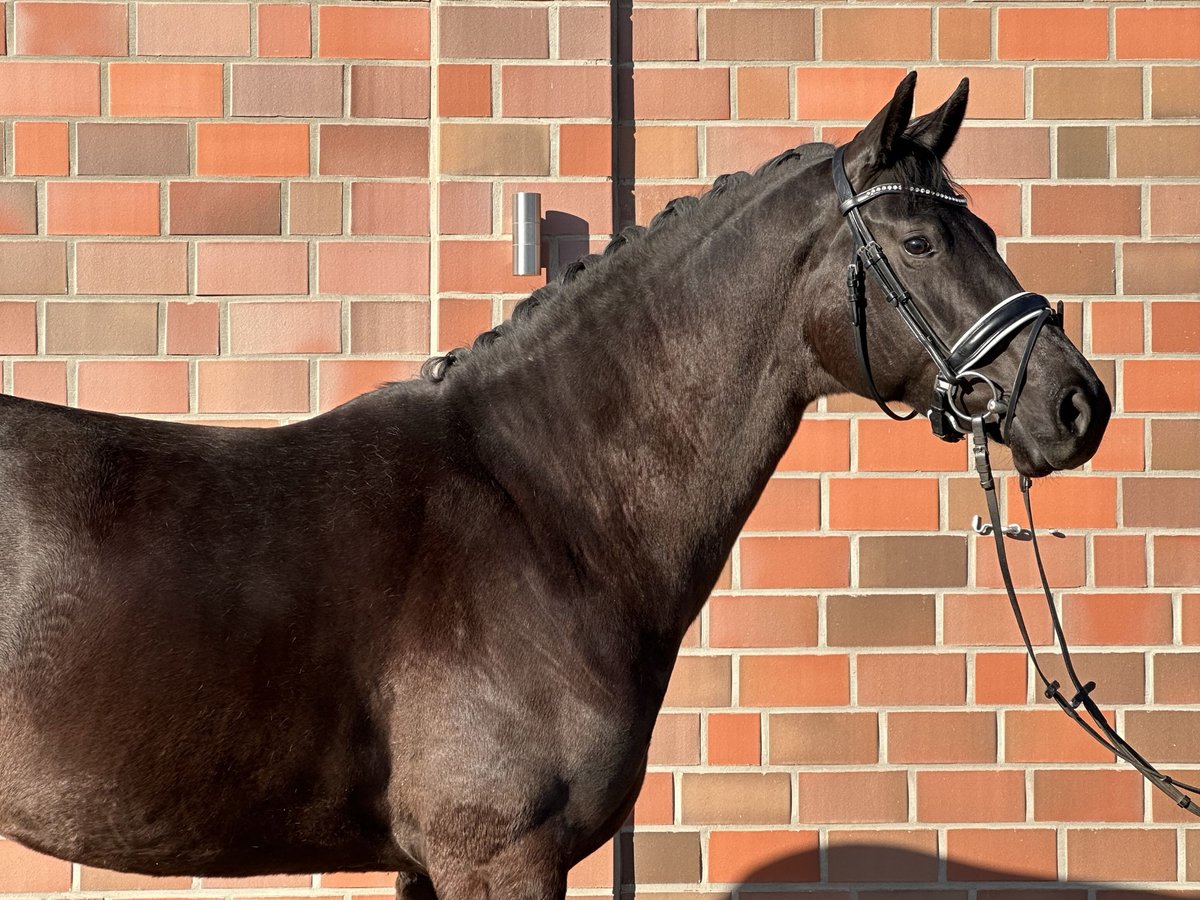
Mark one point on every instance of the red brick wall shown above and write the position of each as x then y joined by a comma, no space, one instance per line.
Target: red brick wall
252,211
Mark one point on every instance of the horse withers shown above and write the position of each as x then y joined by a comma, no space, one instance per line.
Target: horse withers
430,630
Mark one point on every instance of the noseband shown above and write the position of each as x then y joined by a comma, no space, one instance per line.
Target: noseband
957,363
950,420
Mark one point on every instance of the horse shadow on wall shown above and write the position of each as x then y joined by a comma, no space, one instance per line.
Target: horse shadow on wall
846,871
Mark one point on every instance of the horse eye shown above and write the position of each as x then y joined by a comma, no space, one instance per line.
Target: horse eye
917,246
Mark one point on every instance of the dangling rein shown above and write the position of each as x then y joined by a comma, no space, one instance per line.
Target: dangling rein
950,421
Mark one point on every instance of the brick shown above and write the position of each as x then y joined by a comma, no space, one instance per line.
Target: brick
734,148
222,207
1086,209
1175,92
352,880
1168,33
375,150
999,205
18,329
1119,560
1121,676
843,93
1161,268
987,854
1000,152
1116,327
284,30
465,90
676,740
594,871
1065,564
1052,33
994,796
964,33
252,386
996,92
40,148
1175,444
1121,854
1123,447
745,34
98,207
870,34
1174,209
24,871
888,504
662,857
281,89
556,91
1174,326
912,561
1074,268
762,92
1047,736
126,267
879,620
342,380
795,562
489,32
883,856
1082,152
1069,502
482,266
763,857
887,446
837,797
465,207
1190,607
820,445
1064,795
1176,560
678,93
236,148
649,199
390,92
193,329
823,738
762,621
912,679
1000,678
285,327
659,151
1162,502
127,148
389,327
44,380
361,32
71,29
812,680
109,329
734,739
987,619
165,90
583,32
251,267
193,29
461,320
372,267
18,207
378,207
941,737
661,34
700,681
787,504
586,150
1089,92
143,386
1177,675
49,88
1165,736
1161,385
315,207
1157,150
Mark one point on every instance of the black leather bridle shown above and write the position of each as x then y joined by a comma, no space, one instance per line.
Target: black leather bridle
950,420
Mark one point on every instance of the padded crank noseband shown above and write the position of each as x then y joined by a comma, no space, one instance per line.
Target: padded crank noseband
956,364
957,370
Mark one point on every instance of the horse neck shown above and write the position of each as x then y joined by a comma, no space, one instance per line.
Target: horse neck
639,423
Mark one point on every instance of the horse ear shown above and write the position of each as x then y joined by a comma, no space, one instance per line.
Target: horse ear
937,130
878,145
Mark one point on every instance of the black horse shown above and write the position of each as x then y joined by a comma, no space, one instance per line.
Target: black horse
429,631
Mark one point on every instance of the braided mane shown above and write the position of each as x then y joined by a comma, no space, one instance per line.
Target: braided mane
436,367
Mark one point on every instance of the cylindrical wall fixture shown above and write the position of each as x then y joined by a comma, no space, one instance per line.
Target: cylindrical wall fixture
527,233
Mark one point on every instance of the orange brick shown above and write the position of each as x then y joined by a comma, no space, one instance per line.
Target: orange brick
880,33
49,88
71,29
1174,208
1119,560
400,151
1170,33
1107,209
596,871
250,267
1069,502
813,680
193,29
887,446
96,207
987,619
795,562
787,504
168,90
676,740
744,34
556,91
460,321
368,33
734,739
746,147
1175,327
941,737
1046,735
762,92
987,854
40,148
193,329
964,33
889,504
843,93
1064,561
1000,152
911,679
762,621
680,93
287,327
378,207
341,380
44,380
662,34
465,90
999,205
373,267
763,856
872,796
1063,795
1161,385
24,871
656,802
389,327
1121,854
1000,678
659,151
254,386
284,30
235,148
820,445
482,267
465,207
585,150
1116,326
18,329
1176,560
994,796
997,92
1053,33
144,386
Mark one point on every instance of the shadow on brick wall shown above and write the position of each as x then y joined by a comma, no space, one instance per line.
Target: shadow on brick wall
853,871
567,237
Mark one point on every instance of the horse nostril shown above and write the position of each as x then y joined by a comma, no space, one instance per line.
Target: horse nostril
1074,412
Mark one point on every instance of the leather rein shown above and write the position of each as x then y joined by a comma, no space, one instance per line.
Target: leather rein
950,421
